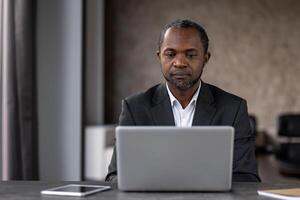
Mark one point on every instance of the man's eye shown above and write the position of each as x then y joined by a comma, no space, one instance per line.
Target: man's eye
191,55
169,54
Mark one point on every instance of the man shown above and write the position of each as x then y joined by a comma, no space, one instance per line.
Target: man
185,100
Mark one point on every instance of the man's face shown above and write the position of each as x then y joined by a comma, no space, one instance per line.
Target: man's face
182,57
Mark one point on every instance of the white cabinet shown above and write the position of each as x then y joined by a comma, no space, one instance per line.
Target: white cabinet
98,148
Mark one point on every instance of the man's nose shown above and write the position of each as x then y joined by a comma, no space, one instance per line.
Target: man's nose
180,61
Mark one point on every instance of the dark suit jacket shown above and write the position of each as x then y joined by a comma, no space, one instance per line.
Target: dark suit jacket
214,107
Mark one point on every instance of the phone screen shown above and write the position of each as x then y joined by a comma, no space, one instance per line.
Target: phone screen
76,188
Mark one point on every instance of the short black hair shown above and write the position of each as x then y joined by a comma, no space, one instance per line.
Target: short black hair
185,23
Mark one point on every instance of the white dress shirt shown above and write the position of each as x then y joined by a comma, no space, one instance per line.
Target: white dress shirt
183,117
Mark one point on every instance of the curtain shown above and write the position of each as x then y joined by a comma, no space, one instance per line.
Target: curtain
19,106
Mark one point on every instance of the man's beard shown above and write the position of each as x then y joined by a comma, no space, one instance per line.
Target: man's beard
182,85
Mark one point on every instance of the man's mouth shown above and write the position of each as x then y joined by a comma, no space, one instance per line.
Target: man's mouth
180,75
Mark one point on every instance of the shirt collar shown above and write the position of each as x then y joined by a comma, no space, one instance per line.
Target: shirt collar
173,99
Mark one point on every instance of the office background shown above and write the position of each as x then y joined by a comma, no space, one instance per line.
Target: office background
93,53
254,46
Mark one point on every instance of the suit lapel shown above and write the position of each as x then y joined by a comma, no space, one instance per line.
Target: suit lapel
205,108
161,110
162,113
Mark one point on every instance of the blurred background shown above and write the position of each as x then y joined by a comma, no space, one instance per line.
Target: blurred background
67,64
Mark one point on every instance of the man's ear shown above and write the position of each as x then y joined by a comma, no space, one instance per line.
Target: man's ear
158,54
206,57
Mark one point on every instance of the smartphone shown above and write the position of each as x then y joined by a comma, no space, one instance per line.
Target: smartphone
75,190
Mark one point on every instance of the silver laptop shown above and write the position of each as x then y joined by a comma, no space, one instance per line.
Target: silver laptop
165,158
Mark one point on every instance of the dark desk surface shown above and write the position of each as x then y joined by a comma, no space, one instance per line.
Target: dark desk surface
13,190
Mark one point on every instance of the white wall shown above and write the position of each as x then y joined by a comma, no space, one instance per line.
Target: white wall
94,66
1,13
59,57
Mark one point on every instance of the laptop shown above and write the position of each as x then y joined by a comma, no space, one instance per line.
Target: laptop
169,158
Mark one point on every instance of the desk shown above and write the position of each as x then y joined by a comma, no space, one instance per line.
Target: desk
25,190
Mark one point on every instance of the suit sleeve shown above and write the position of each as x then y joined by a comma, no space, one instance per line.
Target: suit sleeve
244,161
125,119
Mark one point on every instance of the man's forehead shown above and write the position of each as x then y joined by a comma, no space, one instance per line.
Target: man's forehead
181,37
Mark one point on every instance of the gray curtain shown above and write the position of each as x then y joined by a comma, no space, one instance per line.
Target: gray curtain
19,106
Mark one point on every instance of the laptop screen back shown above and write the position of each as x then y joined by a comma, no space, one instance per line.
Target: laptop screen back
174,159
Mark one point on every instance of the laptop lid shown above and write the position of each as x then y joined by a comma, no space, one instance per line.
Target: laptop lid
154,158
